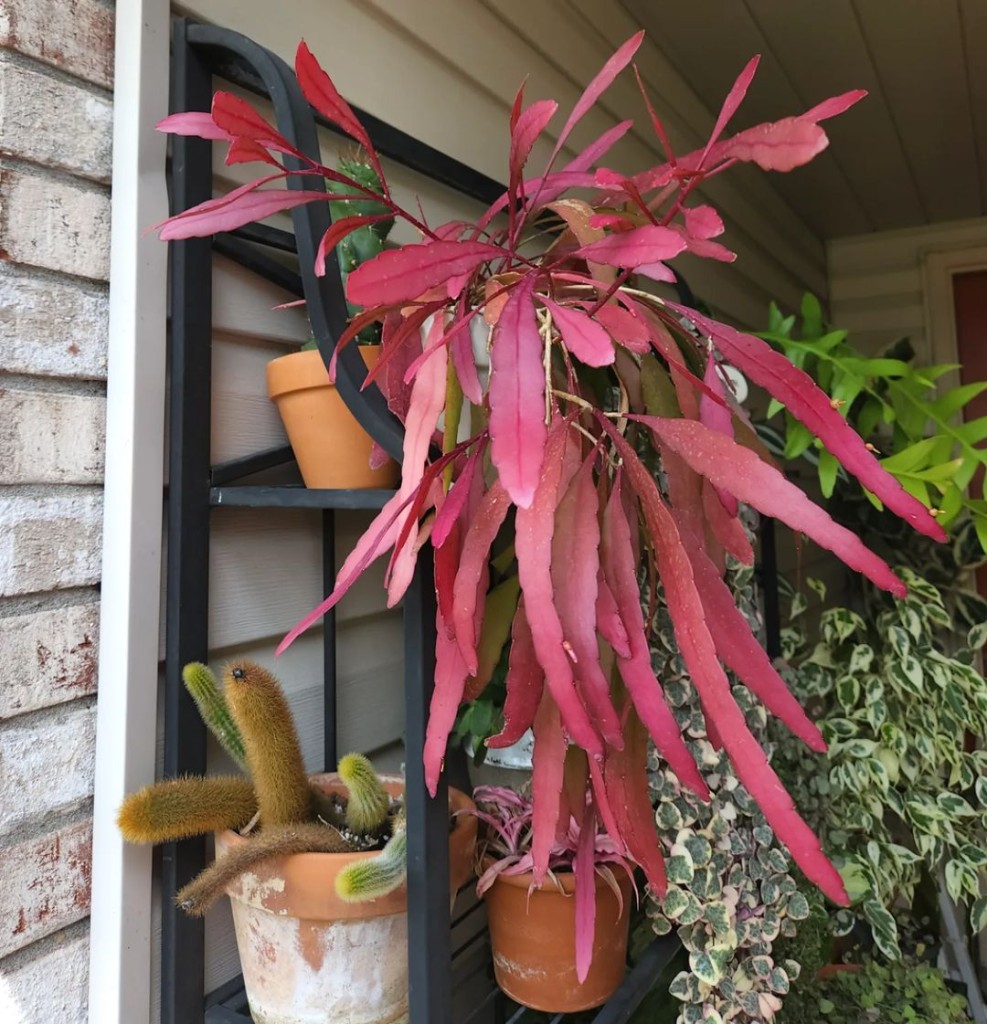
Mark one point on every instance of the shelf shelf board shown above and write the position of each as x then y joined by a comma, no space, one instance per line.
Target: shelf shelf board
297,497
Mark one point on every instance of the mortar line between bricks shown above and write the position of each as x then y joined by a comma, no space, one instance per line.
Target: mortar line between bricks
26,271
15,605
31,719
25,60
42,492
20,165
59,819
33,951
80,387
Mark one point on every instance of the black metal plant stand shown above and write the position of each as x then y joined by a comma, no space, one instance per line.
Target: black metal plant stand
197,489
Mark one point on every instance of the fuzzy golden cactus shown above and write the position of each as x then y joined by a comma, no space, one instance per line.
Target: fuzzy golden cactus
180,808
367,802
204,690
376,876
274,756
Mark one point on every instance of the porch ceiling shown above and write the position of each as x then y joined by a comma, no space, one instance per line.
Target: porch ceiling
913,152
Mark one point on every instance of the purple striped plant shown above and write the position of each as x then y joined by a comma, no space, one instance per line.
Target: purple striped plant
585,368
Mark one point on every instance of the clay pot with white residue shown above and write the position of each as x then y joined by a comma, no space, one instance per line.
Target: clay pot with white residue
309,957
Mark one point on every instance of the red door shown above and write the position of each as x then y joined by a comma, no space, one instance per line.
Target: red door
970,305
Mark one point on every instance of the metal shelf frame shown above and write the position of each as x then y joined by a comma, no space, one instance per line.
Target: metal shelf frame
197,491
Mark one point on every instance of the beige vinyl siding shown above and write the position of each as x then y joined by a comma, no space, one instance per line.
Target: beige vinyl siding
877,284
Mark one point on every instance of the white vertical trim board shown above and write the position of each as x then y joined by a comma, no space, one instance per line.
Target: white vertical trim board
119,991
938,271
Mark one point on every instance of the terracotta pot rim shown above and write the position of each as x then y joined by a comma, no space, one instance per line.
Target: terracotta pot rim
302,370
565,884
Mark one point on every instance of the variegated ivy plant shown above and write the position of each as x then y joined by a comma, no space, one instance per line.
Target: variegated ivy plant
898,789
552,460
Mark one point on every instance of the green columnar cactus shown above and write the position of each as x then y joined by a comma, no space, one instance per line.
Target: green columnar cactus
274,756
367,802
376,876
179,808
202,685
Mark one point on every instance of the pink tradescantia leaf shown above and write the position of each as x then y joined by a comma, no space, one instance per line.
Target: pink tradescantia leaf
455,500
730,466
600,83
199,124
534,527
717,417
575,568
246,151
406,273
655,119
734,98
525,683
450,681
739,650
620,569
239,119
608,619
319,90
461,350
722,712
524,134
584,887
337,231
625,328
834,106
635,248
781,146
587,340
483,528
547,777
796,390
517,396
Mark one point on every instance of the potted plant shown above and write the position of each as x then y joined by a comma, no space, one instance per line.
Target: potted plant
559,944
314,867
330,446
587,371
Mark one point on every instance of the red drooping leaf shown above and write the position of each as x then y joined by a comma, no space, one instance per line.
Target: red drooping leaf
534,527
246,151
734,98
608,619
525,683
834,106
587,340
717,416
625,328
517,105
450,681
406,273
727,530
461,350
517,396
625,775
584,893
524,134
619,567
547,777
404,347
243,206
575,568
780,146
722,712
739,650
319,90
729,466
239,119
635,248
337,231
600,83
197,123
455,500
446,567
483,528
797,391
655,119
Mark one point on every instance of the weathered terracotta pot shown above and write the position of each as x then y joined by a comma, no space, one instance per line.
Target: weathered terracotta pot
309,957
534,942
331,447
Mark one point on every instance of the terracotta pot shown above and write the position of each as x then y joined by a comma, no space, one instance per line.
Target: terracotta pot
307,956
832,970
534,942
331,447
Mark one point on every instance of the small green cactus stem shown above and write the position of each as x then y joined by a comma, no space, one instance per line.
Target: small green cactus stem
367,802
274,757
281,841
376,876
180,808
202,685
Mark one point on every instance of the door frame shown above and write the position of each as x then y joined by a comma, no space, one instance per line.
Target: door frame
938,271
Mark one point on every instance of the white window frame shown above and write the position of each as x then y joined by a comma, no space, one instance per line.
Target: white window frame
121,921
938,271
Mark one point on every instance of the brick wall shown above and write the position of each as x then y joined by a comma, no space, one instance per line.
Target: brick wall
56,65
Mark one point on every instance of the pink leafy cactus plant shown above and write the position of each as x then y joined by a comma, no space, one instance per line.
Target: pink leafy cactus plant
586,367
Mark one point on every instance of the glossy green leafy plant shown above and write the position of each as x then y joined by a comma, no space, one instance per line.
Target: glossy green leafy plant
899,408
898,790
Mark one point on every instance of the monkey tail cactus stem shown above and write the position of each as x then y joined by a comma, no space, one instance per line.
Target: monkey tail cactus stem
367,804
377,876
202,685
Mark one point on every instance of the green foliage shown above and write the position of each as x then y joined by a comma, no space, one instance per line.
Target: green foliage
903,992
897,794
893,404
377,876
732,894
204,689
367,803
